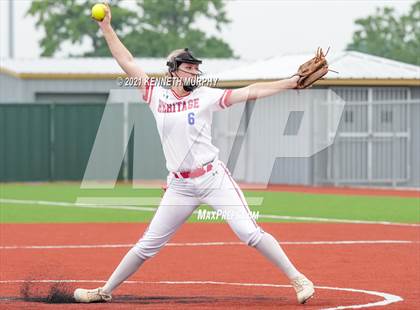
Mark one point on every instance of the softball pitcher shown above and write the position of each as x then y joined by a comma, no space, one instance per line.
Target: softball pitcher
183,115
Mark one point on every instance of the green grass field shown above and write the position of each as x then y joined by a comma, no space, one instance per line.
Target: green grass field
368,208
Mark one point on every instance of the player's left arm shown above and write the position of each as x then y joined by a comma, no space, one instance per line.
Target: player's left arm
261,90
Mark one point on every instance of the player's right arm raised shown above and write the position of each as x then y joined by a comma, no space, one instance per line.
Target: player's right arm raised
121,54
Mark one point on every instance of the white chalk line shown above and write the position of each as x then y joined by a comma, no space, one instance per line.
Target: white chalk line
152,209
200,244
387,298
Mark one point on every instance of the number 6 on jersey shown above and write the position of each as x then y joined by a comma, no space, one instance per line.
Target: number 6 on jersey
191,119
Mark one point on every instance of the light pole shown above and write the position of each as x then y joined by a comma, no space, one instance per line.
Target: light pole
11,30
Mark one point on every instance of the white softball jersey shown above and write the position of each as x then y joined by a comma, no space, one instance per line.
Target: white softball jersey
184,124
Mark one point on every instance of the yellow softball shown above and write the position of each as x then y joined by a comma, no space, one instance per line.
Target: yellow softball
98,11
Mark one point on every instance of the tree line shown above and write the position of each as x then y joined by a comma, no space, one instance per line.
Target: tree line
152,28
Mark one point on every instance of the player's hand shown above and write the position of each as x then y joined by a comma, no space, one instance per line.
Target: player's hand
294,81
106,22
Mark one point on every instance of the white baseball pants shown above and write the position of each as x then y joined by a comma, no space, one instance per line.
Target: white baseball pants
215,188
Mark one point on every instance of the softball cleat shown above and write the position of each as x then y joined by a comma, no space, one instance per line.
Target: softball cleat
304,288
95,295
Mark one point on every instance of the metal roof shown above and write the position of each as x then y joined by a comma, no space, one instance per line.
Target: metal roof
353,67
106,66
350,65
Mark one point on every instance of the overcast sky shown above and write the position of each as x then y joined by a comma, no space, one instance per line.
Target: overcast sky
259,28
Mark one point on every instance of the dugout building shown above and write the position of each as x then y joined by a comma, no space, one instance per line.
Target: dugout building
50,110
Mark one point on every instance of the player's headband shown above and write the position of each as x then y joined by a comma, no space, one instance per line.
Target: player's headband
184,57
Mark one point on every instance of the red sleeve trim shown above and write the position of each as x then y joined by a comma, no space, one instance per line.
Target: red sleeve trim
226,100
223,102
148,91
150,94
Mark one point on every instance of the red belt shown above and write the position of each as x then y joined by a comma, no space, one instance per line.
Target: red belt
193,173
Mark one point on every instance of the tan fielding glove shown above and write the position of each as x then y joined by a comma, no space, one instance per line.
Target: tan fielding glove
312,70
